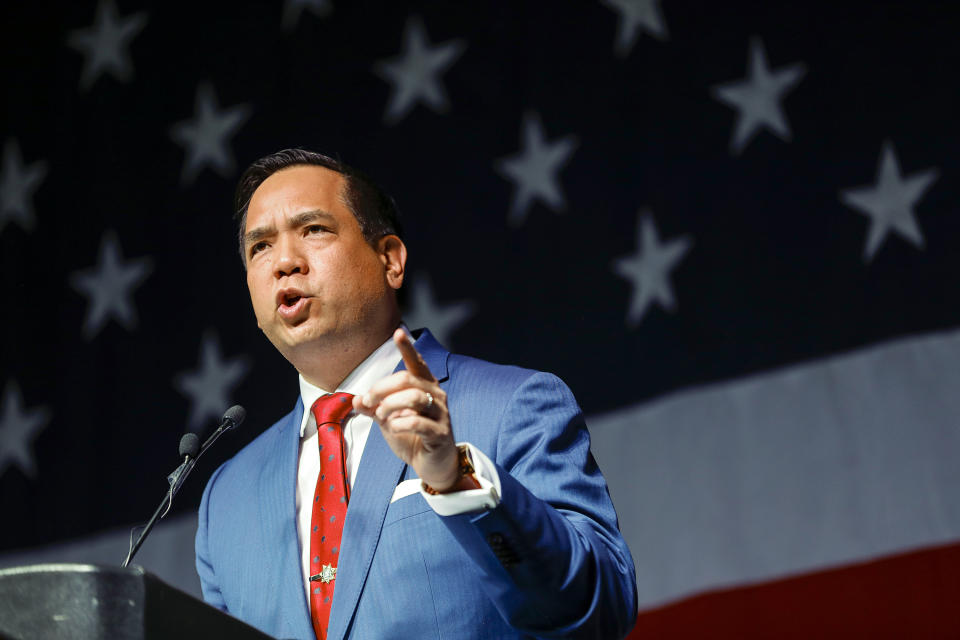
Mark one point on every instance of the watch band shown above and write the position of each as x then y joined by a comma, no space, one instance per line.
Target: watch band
466,474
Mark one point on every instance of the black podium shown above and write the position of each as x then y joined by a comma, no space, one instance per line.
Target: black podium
80,601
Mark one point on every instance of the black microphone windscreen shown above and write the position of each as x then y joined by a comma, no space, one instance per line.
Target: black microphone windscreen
235,414
189,445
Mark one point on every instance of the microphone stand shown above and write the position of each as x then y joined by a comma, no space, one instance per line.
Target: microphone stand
176,480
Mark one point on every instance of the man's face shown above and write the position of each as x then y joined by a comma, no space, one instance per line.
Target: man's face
313,278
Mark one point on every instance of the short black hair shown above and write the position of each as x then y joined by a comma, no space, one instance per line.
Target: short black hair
375,211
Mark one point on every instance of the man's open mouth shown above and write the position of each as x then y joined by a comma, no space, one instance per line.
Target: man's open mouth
290,300
289,297
291,303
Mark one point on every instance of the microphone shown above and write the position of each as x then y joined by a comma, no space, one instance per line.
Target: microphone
231,419
189,446
235,416
191,451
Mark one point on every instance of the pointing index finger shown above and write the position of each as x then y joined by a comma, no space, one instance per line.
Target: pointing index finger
411,357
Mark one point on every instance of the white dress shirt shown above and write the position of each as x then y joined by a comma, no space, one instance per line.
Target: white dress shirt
356,428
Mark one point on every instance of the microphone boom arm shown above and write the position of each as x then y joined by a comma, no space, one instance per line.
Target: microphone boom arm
231,419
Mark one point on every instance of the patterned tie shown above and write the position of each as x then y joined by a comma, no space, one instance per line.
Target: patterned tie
329,506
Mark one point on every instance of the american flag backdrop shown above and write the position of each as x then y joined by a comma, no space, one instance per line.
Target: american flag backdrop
733,228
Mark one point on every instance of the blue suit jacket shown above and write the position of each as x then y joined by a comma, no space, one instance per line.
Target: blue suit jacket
549,561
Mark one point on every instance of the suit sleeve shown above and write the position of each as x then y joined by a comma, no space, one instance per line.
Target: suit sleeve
550,555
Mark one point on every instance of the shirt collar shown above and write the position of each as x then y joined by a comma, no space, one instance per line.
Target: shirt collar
377,365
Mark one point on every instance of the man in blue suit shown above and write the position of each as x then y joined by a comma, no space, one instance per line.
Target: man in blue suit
473,507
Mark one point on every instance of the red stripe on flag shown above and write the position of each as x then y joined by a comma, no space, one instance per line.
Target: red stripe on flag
914,595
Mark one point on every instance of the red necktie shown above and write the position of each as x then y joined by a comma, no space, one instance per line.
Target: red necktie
329,506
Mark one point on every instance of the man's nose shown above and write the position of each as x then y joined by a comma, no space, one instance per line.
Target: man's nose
290,258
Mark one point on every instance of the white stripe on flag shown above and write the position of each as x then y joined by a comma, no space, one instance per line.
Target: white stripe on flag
822,464
167,553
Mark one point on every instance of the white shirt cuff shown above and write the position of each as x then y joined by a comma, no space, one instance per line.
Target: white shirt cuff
486,497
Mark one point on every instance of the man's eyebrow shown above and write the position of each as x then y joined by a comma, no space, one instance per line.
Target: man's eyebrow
256,235
310,216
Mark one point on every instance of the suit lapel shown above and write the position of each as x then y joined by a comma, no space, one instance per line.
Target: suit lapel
433,354
377,478
279,507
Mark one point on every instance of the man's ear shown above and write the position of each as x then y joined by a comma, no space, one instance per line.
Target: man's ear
393,254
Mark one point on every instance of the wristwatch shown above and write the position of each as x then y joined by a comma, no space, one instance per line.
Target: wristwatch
466,474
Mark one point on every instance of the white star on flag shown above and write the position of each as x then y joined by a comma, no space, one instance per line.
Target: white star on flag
292,10
636,15
109,287
757,98
890,202
210,385
415,73
18,428
104,45
205,136
442,319
649,268
533,170
17,184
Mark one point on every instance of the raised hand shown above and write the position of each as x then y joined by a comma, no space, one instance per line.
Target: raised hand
411,409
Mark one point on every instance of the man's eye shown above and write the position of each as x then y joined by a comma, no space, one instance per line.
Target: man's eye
315,228
257,248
